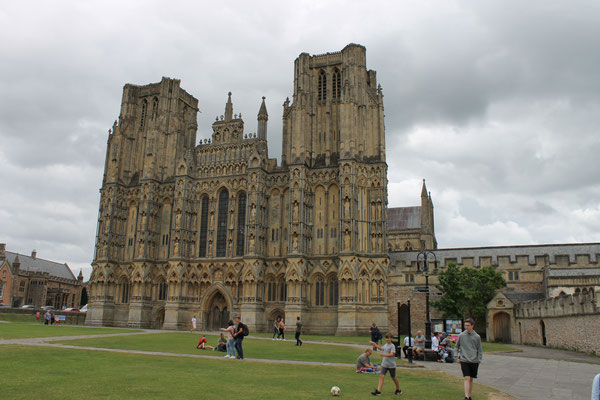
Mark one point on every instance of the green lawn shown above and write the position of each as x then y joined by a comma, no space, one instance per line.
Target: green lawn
364,340
14,330
49,373
185,343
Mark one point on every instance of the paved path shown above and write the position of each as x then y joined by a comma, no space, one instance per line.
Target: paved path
536,373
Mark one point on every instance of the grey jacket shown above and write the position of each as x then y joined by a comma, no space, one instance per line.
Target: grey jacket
468,347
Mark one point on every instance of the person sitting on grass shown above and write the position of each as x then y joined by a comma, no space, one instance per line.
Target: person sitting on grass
202,344
222,343
388,364
363,363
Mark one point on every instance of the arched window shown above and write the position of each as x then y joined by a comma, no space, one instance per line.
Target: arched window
319,292
125,289
337,84
241,224
333,291
143,115
577,291
408,246
322,88
203,227
222,223
162,290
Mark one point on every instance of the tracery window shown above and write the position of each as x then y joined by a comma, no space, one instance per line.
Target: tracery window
322,87
222,223
154,108
241,224
333,291
203,227
162,290
337,85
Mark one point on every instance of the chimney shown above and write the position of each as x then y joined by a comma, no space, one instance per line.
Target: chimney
33,254
2,251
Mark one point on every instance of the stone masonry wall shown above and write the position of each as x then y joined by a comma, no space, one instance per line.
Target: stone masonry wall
569,322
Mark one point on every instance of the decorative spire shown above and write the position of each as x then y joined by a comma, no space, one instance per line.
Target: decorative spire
424,190
262,113
228,108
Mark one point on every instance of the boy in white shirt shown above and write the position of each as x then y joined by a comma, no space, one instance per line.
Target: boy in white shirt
388,364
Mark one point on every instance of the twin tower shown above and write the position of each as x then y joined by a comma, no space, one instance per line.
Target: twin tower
218,229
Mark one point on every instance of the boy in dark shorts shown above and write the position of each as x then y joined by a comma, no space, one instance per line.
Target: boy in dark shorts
470,353
388,364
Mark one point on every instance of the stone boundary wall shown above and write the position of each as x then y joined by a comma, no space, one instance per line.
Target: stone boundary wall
568,322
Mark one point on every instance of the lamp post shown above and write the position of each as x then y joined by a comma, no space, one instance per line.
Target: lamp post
422,257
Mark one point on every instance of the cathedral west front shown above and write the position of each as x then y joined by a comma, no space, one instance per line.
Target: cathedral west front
218,229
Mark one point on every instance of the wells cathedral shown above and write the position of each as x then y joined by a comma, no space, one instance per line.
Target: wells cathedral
217,229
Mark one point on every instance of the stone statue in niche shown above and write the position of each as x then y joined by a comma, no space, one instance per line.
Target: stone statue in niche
252,212
209,248
346,240
347,207
295,210
295,241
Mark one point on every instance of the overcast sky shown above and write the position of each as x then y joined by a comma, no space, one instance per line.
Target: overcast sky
495,103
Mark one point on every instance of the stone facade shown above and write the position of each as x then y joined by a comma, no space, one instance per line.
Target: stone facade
218,229
32,280
568,322
531,272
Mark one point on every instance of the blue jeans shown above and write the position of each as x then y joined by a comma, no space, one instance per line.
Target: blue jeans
230,347
238,347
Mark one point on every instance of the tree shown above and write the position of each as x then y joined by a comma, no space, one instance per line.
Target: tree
84,297
466,291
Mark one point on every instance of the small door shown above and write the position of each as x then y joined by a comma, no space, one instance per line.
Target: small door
502,327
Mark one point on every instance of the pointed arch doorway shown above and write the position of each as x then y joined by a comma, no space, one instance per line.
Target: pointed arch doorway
217,312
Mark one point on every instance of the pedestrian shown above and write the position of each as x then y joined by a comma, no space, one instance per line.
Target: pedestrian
298,331
51,318
276,328
230,346
375,333
241,331
282,329
470,353
596,388
47,317
193,323
387,365
408,345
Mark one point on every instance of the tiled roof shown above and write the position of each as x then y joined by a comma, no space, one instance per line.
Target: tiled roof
31,264
520,297
404,218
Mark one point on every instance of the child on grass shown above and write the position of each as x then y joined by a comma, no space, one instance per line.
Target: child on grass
388,364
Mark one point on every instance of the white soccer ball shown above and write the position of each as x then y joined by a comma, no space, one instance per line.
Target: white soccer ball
335,391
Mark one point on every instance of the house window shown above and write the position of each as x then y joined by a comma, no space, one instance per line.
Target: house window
1,289
222,223
513,275
409,278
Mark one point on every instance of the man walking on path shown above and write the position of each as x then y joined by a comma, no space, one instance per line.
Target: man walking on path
239,337
470,353
298,331
388,364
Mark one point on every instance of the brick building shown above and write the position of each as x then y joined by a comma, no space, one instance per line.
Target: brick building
32,280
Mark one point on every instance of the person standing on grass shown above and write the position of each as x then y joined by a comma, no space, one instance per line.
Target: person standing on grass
276,328
282,329
470,353
230,346
388,364
47,317
193,323
298,331
239,338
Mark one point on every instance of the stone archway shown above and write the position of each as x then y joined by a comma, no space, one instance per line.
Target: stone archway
158,318
216,312
502,327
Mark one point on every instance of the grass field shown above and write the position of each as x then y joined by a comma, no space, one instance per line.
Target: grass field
17,330
185,343
50,373
364,340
